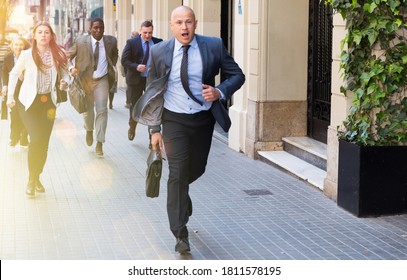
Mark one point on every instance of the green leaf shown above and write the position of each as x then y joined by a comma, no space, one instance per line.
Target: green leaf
372,36
394,4
370,7
392,88
371,89
359,93
357,37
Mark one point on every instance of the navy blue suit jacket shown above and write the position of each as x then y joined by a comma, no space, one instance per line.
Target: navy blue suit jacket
215,57
132,56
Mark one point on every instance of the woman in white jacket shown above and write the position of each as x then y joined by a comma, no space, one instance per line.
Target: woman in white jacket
38,98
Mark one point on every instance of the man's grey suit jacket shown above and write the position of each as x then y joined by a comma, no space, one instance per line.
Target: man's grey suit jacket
81,56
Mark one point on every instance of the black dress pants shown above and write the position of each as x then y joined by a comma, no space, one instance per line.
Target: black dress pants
18,133
17,128
187,139
38,120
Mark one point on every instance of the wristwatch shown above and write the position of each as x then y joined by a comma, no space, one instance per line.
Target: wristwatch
154,129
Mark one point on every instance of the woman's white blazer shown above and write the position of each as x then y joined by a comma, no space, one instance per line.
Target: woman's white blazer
25,64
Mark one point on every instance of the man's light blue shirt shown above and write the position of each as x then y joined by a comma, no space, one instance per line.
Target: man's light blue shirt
175,98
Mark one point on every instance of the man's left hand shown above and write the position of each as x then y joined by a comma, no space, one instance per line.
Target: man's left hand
210,93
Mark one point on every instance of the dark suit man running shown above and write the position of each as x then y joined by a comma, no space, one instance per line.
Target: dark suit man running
135,59
182,97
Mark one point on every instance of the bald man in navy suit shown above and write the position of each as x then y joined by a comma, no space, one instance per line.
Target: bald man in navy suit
182,98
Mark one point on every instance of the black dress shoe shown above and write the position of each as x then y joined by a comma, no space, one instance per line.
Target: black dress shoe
39,187
99,149
24,143
13,143
131,133
182,245
89,138
30,190
110,105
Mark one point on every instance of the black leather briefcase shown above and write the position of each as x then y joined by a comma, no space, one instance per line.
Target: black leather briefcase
153,173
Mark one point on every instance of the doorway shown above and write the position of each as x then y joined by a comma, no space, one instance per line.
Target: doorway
319,70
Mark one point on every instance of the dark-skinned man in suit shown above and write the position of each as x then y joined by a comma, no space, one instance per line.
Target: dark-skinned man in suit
93,58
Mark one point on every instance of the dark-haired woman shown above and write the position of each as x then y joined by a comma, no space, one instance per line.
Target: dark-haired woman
38,98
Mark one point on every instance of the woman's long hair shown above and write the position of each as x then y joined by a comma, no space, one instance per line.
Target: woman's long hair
58,54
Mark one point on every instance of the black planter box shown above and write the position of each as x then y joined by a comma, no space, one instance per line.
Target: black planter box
372,180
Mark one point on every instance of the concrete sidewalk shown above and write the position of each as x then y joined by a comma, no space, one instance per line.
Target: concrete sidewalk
96,208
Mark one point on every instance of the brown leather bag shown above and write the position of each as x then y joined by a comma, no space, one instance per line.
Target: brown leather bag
77,96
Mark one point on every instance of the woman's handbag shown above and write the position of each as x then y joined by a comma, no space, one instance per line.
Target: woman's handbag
77,96
61,94
153,173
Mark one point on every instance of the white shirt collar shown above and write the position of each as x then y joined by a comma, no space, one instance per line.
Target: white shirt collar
94,40
193,44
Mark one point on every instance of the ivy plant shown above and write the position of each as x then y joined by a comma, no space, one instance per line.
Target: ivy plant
374,68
